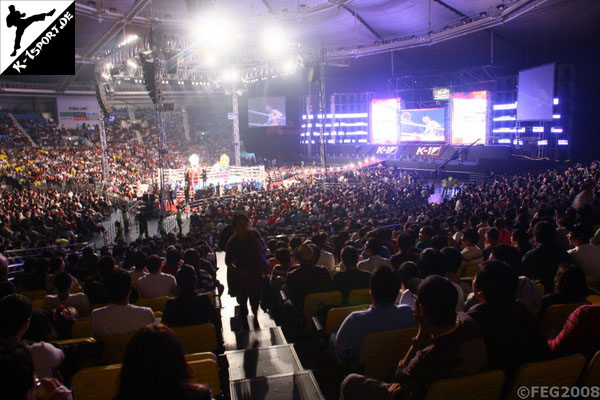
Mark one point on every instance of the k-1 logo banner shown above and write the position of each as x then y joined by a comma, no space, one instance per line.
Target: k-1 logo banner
37,37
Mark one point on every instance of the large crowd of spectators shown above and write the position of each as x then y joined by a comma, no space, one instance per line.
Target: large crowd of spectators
473,272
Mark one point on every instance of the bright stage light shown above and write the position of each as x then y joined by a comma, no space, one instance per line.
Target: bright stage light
210,61
289,66
106,76
231,75
194,160
108,66
216,32
274,41
132,64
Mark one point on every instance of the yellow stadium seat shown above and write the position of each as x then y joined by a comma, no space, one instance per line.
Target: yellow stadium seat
541,288
206,372
591,375
211,297
359,296
555,316
337,315
90,340
113,348
197,338
82,328
593,299
484,386
98,383
382,351
38,304
155,303
559,372
35,294
101,383
313,301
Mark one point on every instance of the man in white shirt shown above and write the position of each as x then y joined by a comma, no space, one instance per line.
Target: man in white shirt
585,254
156,283
372,249
63,282
326,259
119,317
15,314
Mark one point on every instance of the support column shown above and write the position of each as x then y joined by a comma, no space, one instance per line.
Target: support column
103,149
236,127
323,114
160,124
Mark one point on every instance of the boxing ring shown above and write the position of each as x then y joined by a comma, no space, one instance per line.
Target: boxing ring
215,175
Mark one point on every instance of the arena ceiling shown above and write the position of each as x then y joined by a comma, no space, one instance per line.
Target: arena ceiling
336,24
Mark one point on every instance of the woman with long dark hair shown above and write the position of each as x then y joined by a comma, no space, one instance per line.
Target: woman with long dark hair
154,368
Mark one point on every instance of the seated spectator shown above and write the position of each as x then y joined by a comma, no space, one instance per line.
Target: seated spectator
350,277
139,268
408,273
492,238
569,287
189,308
94,288
15,314
451,261
471,254
374,260
281,269
542,262
17,381
57,264
119,317
63,282
585,254
447,345
6,286
172,261
527,291
205,283
512,335
580,334
425,235
326,258
406,252
382,315
154,367
307,277
156,283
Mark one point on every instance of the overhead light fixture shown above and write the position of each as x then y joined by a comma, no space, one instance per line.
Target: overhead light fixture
132,64
483,14
501,7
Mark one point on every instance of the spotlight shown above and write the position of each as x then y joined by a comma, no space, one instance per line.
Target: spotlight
289,66
483,14
501,7
108,66
274,41
216,31
231,75
210,61
106,76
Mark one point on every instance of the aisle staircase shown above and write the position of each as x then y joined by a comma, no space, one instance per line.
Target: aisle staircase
131,112
21,129
258,362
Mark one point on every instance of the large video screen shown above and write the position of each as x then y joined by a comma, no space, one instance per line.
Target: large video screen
266,111
469,117
535,96
385,120
423,125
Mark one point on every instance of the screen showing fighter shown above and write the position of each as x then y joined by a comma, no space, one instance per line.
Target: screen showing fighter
422,125
266,111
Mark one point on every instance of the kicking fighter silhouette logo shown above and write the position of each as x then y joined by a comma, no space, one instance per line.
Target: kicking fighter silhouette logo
18,20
